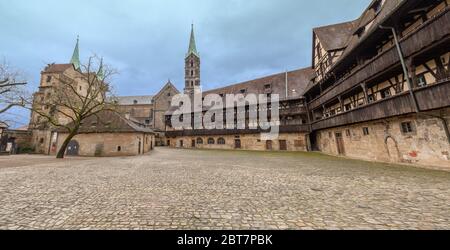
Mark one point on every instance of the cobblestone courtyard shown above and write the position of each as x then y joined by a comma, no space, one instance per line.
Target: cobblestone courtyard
184,189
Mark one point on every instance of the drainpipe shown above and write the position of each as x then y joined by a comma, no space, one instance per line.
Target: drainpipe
405,69
408,80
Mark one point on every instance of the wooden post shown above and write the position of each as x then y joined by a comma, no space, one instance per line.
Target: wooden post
412,72
441,74
366,96
341,103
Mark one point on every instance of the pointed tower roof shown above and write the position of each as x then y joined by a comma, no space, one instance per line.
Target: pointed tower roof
192,46
101,73
76,56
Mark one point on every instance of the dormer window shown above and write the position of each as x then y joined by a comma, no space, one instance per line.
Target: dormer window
377,6
268,86
360,31
243,91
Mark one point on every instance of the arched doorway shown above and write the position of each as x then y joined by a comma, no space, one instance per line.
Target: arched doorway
392,149
73,148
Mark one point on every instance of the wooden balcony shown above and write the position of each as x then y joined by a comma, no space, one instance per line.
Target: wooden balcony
428,98
430,33
207,132
293,111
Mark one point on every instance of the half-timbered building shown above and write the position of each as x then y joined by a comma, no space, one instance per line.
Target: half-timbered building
378,89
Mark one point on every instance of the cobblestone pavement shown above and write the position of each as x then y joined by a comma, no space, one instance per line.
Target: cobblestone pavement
185,189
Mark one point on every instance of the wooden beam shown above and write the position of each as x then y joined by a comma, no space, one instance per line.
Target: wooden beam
366,96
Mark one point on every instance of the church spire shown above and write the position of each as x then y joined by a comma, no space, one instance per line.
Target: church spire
192,46
76,56
192,67
101,73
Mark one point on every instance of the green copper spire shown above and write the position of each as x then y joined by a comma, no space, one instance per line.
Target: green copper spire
76,56
192,47
100,73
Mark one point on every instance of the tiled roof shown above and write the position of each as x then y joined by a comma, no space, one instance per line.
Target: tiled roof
368,16
296,82
110,122
135,100
57,68
336,36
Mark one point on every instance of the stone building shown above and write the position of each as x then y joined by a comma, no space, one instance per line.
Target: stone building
149,110
365,104
43,133
139,111
293,118
13,141
109,134
358,98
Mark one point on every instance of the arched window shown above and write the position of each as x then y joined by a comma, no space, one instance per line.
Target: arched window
211,141
221,141
199,140
192,73
192,63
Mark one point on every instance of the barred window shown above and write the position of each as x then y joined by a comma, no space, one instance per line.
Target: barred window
407,127
366,131
221,141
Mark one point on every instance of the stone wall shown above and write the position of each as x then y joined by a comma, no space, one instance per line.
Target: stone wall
111,144
140,112
426,145
294,142
40,141
162,103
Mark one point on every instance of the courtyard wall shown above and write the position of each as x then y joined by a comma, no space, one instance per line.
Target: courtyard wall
427,143
111,144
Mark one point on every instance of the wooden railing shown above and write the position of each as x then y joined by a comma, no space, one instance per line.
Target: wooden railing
206,132
431,32
431,97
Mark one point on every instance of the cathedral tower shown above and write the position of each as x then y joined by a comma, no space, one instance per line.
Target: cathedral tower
192,68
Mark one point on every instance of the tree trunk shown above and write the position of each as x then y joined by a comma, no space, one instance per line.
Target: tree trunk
62,150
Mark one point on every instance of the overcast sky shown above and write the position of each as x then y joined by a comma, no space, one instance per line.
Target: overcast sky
146,41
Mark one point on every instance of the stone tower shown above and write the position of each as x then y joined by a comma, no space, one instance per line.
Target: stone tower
192,68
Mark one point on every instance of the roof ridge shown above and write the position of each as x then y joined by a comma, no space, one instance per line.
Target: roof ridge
259,78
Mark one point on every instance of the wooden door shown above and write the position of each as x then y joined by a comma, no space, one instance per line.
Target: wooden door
269,145
193,144
73,148
237,144
283,145
340,144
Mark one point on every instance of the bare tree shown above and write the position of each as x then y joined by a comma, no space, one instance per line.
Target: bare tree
74,99
11,91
